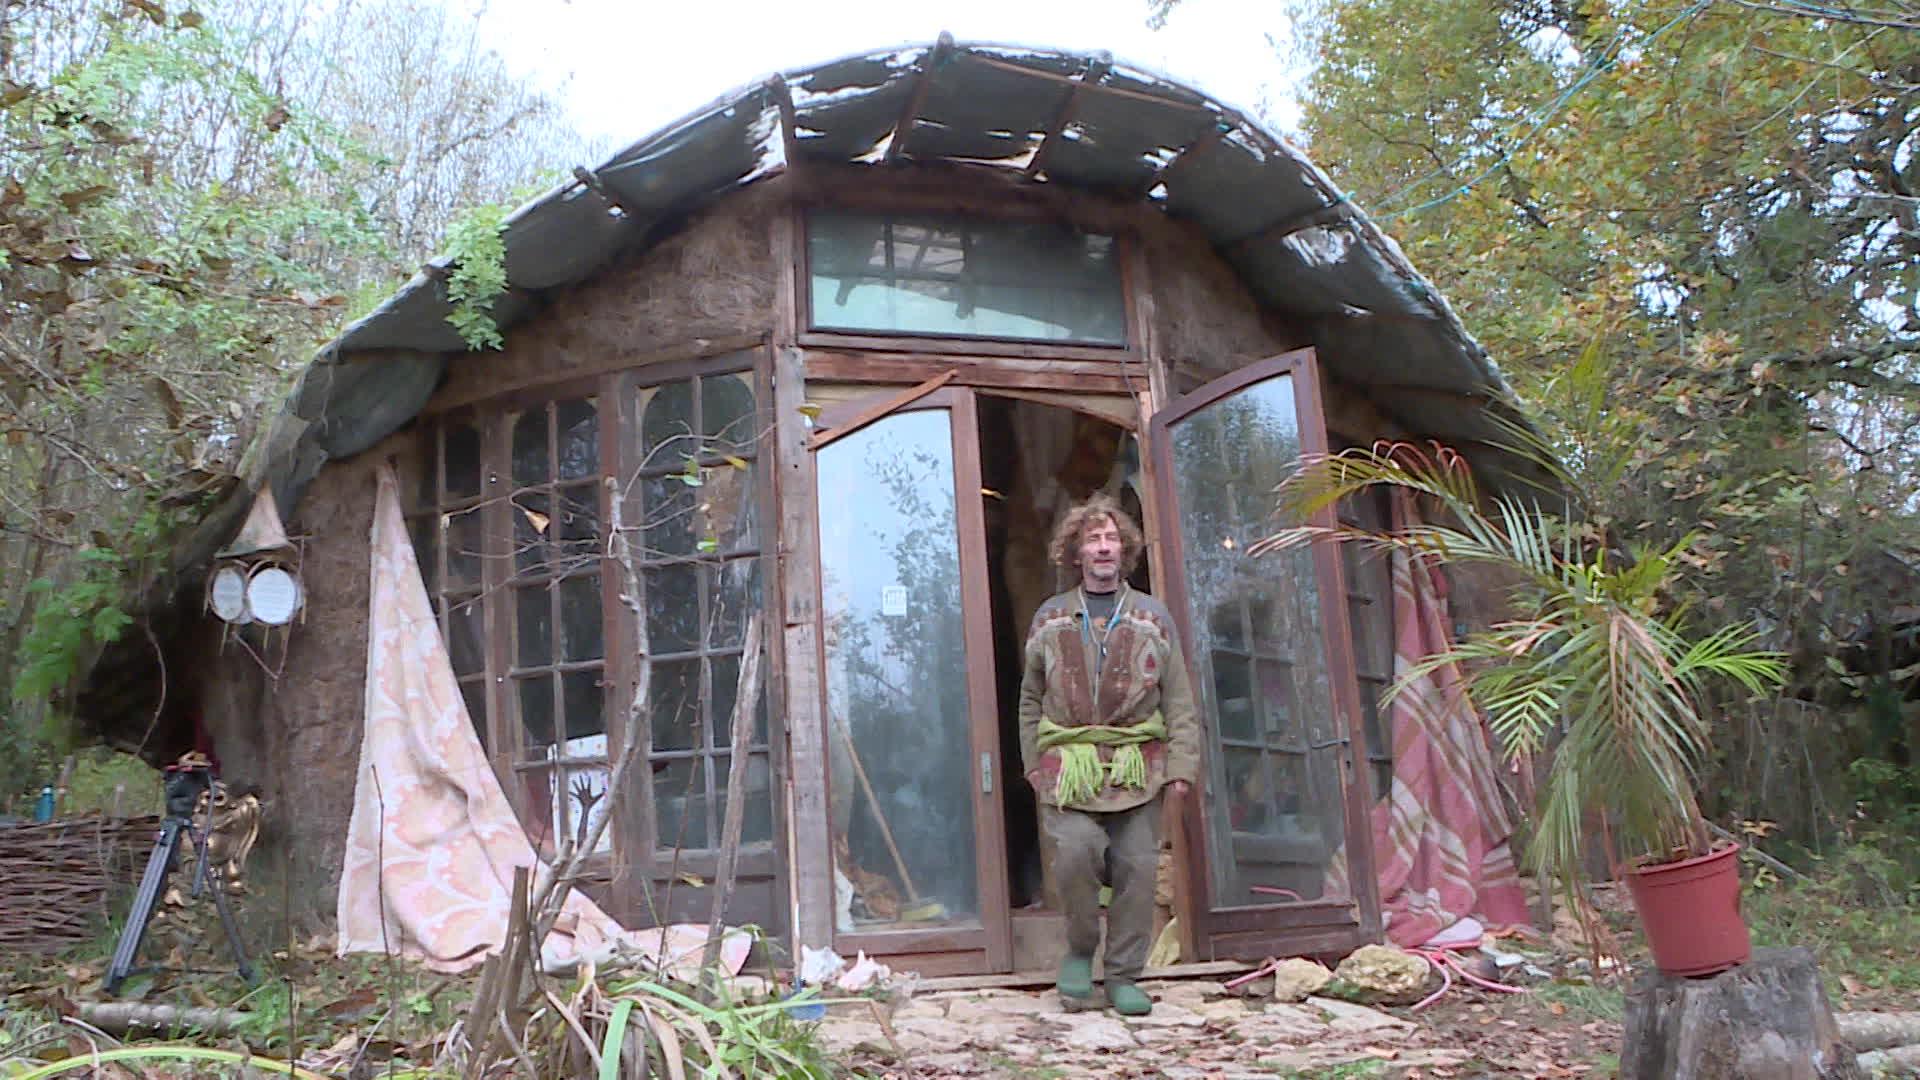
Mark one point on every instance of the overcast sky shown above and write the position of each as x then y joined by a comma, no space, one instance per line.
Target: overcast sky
625,68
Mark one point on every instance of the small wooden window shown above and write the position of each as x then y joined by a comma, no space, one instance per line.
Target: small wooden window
943,277
1369,574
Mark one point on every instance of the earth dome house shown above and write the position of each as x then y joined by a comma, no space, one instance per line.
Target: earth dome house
837,350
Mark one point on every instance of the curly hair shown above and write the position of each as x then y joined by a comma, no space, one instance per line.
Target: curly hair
1064,548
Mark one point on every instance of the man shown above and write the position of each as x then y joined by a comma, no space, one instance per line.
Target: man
1106,722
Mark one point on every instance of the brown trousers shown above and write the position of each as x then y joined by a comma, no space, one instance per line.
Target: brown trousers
1081,842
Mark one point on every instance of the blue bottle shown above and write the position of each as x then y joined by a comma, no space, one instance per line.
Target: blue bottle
43,809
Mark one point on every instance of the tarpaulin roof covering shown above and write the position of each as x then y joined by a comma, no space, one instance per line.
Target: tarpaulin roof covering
1300,245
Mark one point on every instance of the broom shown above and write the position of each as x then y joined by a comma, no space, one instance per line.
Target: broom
917,909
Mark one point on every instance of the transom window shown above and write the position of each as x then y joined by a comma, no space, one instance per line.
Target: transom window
1032,281
511,524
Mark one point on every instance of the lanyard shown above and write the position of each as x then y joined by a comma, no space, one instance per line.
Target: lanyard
1098,645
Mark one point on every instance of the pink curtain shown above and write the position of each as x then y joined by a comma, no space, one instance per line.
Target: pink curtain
433,843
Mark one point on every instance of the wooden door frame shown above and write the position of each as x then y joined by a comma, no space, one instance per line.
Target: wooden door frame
1315,926
948,950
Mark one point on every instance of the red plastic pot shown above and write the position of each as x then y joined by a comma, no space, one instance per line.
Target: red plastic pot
1691,912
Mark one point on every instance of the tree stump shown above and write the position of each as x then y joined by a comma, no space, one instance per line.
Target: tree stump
1765,1020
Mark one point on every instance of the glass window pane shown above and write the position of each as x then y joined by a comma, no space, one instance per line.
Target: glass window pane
532,529
582,634
1233,689
733,594
578,425
585,702
1280,820
421,530
667,517
756,824
726,686
1030,280
673,608
726,413
666,425
533,626
676,705
466,544
896,683
530,447
680,804
466,636
474,693
535,694
462,461
576,528
727,509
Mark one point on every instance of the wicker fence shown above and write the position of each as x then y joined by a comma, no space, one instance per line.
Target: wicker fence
60,879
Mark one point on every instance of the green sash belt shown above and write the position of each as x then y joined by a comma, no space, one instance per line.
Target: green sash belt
1081,774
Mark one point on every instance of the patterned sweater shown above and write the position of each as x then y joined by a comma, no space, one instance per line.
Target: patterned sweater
1145,672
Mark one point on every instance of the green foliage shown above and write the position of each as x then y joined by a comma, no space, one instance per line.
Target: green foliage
477,275
1850,929
1589,653
68,621
1681,229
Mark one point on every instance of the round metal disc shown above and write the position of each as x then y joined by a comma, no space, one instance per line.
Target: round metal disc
228,595
273,595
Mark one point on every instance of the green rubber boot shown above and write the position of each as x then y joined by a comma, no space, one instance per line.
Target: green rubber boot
1076,981
1128,999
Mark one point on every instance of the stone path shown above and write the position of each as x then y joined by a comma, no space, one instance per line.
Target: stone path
1196,1032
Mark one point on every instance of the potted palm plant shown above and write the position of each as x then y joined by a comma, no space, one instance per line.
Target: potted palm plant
1594,657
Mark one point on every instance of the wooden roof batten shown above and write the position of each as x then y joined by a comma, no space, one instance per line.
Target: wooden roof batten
942,51
1097,67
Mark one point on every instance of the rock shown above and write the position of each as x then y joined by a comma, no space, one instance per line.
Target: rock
1097,1032
842,1036
1222,1010
924,1035
1381,974
1297,979
1280,1024
1767,1018
1347,1018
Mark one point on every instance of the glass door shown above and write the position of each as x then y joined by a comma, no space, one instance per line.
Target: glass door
908,680
1280,828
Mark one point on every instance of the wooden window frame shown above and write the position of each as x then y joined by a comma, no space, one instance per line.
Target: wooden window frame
1365,607
1263,929
928,345
632,851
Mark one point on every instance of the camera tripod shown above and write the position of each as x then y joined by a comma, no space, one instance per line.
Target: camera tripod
185,784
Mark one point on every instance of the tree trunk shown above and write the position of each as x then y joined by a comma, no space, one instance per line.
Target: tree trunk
1765,1020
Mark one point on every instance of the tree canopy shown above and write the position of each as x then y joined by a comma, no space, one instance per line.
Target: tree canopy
1686,230
191,202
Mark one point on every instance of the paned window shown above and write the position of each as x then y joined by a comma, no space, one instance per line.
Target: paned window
1033,281
694,496
511,522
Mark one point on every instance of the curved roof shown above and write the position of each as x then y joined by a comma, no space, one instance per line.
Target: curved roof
1080,120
